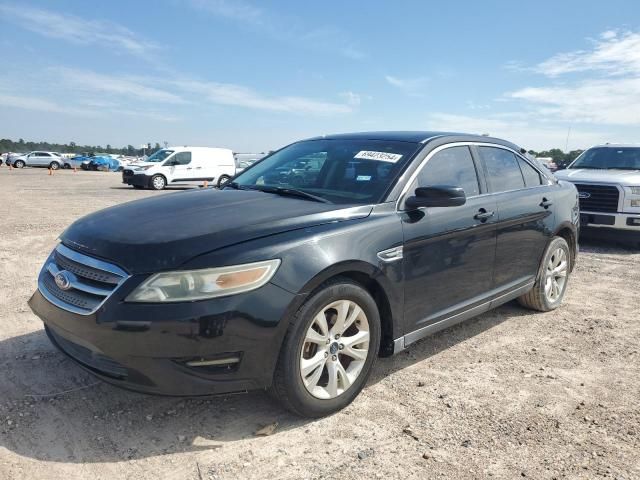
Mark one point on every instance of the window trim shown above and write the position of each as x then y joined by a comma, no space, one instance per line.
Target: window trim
484,182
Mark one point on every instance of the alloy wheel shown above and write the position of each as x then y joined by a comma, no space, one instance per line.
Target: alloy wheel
556,275
335,349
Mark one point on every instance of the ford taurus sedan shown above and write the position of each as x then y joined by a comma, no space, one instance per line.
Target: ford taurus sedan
298,284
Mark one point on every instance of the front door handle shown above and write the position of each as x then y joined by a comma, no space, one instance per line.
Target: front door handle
545,203
189,168
483,215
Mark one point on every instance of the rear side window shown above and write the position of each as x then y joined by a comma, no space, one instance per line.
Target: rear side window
42,154
452,166
531,176
502,169
182,158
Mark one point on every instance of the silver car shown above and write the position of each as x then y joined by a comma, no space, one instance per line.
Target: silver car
52,160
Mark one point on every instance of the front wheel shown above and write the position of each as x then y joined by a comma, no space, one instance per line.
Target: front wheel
18,164
158,182
223,179
329,350
553,276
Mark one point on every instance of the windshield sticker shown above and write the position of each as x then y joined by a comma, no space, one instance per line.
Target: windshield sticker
379,156
363,178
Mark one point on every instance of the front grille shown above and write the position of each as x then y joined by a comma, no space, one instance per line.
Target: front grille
601,198
93,360
84,283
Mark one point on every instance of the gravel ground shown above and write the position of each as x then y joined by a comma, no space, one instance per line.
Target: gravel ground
508,394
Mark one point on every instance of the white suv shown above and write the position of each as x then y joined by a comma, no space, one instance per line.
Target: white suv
608,181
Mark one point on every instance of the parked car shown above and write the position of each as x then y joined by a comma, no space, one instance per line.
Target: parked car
245,160
299,289
608,181
52,160
180,165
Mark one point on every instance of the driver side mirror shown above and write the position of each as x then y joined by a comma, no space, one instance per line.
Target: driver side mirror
437,196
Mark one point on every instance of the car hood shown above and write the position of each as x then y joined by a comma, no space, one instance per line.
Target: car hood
619,177
163,233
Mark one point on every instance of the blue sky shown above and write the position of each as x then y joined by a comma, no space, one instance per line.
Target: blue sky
253,76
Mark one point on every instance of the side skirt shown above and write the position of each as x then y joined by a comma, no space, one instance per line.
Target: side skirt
401,343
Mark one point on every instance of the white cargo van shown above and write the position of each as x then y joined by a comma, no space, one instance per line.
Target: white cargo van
181,165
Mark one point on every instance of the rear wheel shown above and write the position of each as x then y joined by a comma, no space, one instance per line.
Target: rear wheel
331,344
223,179
19,164
158,182
553,276
54,165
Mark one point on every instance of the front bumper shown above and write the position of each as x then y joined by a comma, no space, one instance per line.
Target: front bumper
616,221
138,180
146,347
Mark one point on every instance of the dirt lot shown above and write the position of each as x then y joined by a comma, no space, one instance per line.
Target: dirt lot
509,394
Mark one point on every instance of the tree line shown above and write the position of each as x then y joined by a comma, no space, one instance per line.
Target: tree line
22,146
560,158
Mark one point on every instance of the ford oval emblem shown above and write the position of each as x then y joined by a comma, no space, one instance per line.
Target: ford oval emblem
62,280
584,195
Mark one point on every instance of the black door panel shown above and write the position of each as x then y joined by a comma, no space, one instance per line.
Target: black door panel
448,258
523,231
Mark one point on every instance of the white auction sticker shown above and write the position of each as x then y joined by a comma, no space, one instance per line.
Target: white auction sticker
380,156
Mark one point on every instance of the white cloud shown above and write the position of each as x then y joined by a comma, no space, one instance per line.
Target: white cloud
76,29
241,96
118,85
615,54
520,128
284,27
606,92
42,105
411,86
351,98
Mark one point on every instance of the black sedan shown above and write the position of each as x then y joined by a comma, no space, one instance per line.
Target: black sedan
298,284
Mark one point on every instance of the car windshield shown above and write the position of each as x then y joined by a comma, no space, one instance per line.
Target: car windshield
624,158
159,156
338,171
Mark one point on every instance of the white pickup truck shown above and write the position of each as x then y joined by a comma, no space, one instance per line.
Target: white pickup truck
608,181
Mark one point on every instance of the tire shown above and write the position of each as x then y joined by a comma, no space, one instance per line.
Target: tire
19,164
317,398
66,166
54,165
549,289
158,182
223,179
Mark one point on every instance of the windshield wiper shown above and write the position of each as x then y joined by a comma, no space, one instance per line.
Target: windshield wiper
236,186
293,192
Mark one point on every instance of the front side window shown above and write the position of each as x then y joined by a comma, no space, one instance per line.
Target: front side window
452,166
502,169
624,158
180,158
345,171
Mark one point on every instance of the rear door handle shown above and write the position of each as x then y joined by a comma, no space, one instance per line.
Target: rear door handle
483,215
545,203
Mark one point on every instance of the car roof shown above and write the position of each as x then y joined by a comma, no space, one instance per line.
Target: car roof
617,145
417,137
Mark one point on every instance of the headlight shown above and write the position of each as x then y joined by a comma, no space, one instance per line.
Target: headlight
635,190
635,203
188,285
